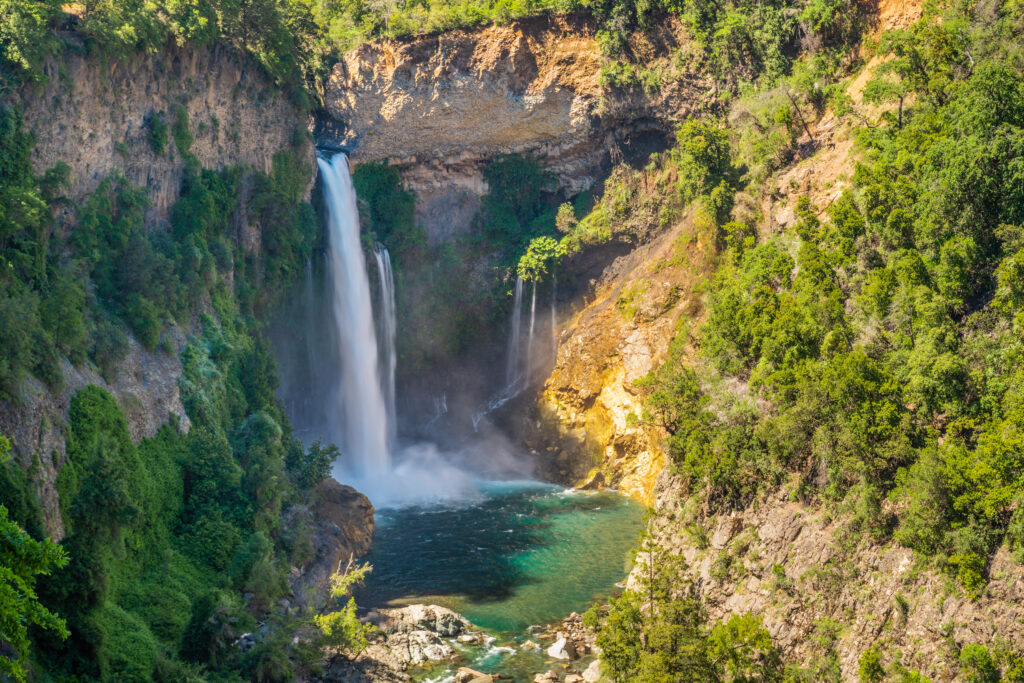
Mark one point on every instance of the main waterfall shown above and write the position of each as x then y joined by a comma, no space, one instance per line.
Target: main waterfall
336,345
365,441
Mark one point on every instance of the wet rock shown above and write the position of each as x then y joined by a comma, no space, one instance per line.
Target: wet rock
562,648
574,678
529,645
439,620
592,673
547,677
417,647
467,675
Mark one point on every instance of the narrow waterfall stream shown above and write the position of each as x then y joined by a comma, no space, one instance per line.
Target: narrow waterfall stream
389,328
469,528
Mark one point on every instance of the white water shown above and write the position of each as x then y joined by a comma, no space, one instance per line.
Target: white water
364,412
512,366
389,328
528,370
554,322
419,473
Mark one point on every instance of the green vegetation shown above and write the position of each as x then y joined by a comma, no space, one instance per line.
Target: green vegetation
22,560
174,546
387,212
659,631
64,297
165,537
886,338
878,347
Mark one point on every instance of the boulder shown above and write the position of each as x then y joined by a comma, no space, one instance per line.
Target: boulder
574,678
548,677
592,673
418,647
439,620
342,522
562,648
467,675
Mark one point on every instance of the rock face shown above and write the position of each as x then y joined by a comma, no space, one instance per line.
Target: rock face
145,386
588,432
440,106
92,114
342,522
797,565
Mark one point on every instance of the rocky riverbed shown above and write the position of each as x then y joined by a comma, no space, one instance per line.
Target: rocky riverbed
437,645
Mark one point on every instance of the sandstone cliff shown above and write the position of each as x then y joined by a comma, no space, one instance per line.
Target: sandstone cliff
91,114
589,430
439,107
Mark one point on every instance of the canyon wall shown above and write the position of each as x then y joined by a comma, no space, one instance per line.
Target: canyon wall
440,107
91,114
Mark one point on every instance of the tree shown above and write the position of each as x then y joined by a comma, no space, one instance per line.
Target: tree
341,629
22,558
540,258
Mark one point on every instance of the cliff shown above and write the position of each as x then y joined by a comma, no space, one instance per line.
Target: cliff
803,568
92,114
440,107
589,430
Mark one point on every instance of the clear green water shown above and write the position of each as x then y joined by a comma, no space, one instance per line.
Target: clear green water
517,555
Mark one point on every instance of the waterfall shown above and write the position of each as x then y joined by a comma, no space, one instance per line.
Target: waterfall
512,367
389,327
528,370
365,416
554,324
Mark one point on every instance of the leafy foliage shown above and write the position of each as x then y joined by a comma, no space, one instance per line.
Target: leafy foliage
659,631
886,338
22,559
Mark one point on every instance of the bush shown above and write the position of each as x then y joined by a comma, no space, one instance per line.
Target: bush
156,133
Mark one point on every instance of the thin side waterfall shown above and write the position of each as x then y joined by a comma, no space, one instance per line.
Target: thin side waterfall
512,367
365,415
554,325
389,327
528,370
310,322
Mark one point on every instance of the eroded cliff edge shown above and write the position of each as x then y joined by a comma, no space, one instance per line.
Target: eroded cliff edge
439,107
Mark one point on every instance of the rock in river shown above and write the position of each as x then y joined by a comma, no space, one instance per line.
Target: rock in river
562,648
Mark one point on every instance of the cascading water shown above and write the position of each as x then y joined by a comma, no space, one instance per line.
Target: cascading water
528,370
512,367
554,323
389,328
365,414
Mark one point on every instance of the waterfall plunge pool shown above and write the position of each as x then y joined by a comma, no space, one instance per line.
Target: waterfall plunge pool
518,554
